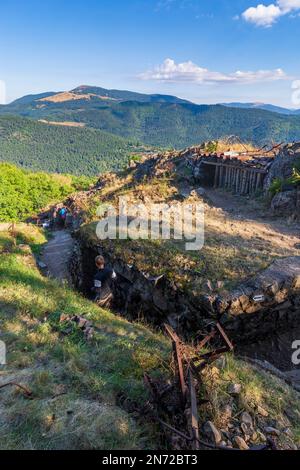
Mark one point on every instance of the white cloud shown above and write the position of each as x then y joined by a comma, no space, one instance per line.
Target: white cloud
262,15
164,4
267,15
288,5
169,71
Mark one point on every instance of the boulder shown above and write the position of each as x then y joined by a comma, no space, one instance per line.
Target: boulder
42,265
261,411
272,431
283,164
226,412
212,432
263,303
200,192
247,420
240,443
234,389
284,202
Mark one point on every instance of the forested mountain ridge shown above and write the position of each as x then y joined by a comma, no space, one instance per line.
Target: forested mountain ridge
159,120
265,106
61,149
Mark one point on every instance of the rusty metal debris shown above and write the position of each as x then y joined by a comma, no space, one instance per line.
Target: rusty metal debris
190,361
26,390
194,410
82,323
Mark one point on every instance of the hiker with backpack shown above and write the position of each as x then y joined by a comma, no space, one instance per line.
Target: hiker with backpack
102,283
62,216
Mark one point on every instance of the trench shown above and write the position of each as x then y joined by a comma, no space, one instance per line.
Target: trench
236,178
137,297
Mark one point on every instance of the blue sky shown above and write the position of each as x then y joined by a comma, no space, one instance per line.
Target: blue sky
207,51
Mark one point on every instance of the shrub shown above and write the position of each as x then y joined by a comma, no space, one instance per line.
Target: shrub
23,193
276,186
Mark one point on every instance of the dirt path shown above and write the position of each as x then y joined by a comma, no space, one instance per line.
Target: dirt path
242,208
254,218
56,255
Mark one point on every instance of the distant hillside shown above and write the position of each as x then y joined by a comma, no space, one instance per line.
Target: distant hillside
86,93
158,120
266,107
124,95
61,149
181,125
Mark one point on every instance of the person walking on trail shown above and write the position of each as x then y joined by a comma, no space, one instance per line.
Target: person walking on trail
102,283
62,216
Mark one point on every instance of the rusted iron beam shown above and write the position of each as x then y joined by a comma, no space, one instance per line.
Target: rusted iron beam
194,411
275,147
224,336
205,340
182,383
184,349
21,387
177,350
171,333
215,352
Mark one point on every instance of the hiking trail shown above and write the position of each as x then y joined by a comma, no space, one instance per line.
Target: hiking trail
56,255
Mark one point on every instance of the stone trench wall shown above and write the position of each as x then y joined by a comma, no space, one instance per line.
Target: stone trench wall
268,303
286,202
138,296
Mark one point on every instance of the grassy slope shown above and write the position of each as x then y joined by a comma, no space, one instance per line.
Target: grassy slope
77,386
93,376
67,149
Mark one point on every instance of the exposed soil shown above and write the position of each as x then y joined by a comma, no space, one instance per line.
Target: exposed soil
257,217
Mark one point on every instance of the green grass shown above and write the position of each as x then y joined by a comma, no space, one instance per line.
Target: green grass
94,377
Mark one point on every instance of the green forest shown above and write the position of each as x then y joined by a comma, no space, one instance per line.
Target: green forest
160,120
114,128
23,193
181,125
61,149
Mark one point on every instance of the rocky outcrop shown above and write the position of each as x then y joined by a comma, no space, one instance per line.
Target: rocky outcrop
265,303
286,203
283,164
